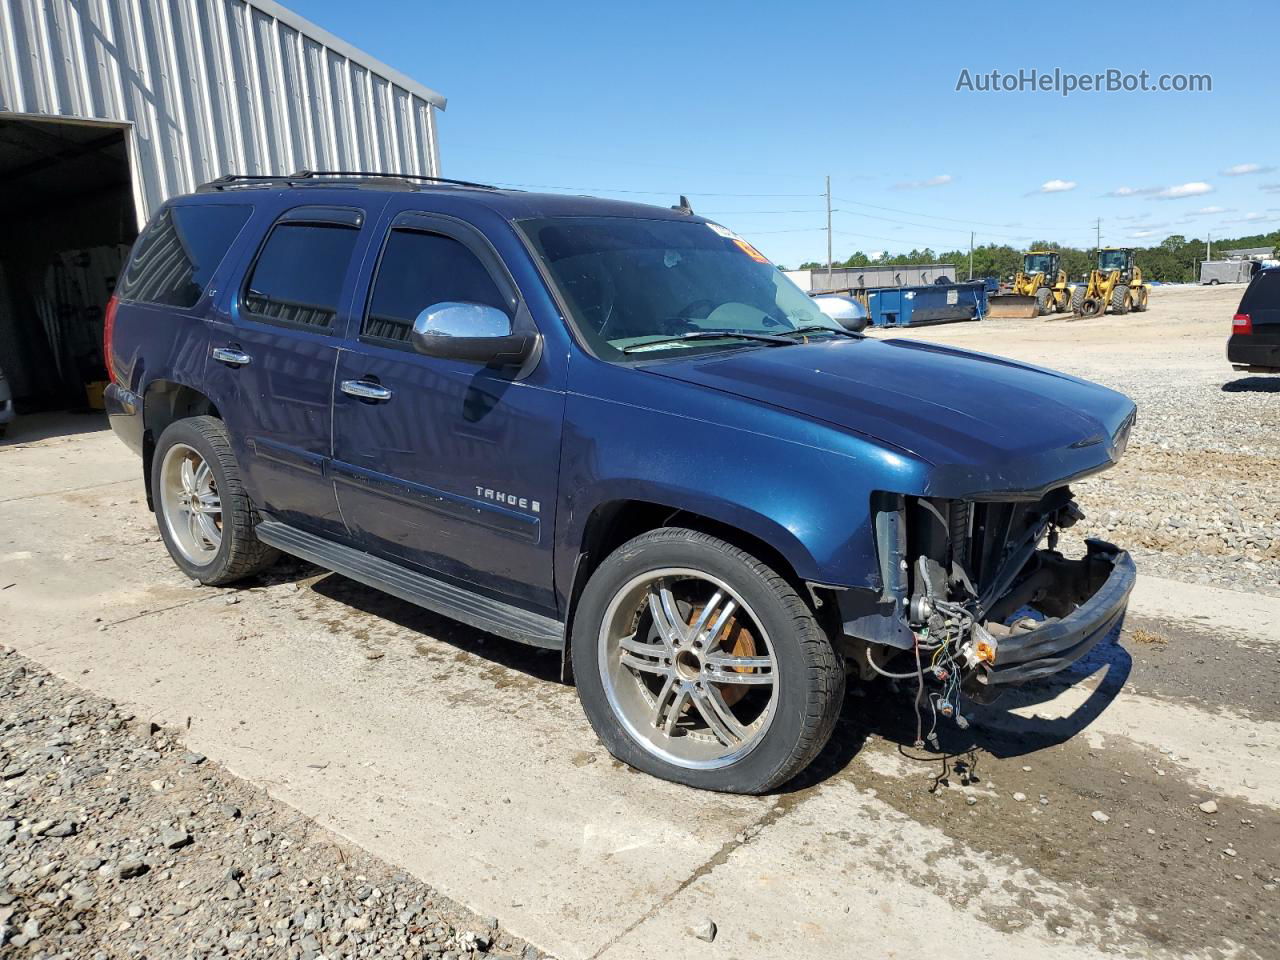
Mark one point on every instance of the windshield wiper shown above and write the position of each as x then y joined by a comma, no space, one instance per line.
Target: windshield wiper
819,328
776,340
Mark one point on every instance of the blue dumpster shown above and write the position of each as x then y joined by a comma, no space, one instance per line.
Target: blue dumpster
934,303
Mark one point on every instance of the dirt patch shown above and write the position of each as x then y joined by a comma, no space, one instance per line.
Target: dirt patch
1121,829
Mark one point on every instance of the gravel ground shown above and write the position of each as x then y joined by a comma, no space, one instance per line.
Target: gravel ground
116,841
1197,495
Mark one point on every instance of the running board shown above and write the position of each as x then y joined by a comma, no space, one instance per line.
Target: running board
454,602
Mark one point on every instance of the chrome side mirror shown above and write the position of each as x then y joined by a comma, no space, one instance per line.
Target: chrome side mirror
475,332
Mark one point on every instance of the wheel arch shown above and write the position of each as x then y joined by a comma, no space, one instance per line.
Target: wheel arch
611,523
165,402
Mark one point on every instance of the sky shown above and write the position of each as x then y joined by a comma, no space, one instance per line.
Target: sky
746,107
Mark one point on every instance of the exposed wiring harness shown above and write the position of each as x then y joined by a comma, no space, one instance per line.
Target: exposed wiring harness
952,623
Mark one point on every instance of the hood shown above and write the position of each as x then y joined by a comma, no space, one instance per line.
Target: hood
946,406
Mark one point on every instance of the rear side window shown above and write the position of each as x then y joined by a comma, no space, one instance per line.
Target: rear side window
176,255
1263,293
299,274
419,270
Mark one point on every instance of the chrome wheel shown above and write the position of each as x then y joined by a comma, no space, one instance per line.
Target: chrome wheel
687,668
191,505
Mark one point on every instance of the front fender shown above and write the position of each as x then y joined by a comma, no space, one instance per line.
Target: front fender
801,487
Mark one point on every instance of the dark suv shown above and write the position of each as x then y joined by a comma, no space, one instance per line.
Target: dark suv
612,430
1254,345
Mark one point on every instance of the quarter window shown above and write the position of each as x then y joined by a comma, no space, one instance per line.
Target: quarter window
177,254
299,274
419,270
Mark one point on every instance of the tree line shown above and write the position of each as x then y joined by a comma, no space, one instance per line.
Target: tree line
1174,260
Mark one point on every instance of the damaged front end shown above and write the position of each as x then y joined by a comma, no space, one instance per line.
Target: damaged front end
974,595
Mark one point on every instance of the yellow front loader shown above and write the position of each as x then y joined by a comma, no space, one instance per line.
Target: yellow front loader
1116,285
1039,288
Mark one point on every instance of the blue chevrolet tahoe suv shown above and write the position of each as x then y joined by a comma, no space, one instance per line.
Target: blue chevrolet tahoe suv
616,431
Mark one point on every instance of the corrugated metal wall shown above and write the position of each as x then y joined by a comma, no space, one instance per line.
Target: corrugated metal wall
887,276
213,87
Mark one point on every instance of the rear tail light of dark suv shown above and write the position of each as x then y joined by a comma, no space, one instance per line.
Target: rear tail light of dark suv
1242,323
108,328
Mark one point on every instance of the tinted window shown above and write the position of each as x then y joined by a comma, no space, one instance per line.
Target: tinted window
177,254
1263,293
422,269
299,274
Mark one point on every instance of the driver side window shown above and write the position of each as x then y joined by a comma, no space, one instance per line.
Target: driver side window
419,270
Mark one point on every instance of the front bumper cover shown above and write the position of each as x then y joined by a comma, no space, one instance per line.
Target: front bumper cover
1100,583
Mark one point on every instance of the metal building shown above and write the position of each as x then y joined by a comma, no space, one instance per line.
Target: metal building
868,278
108,107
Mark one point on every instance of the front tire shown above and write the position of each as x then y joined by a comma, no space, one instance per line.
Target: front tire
698,663
205,517
1120,300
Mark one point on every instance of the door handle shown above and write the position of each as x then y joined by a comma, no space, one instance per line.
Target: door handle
365,390
231,356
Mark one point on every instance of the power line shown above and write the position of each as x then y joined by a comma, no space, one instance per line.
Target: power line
648,193
930,226
608,161
759,233
749,213
927,216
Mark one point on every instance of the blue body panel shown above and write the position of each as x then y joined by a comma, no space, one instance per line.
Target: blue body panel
784,443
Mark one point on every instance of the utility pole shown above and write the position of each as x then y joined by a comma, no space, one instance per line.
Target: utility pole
1099,229
1208,247
828,231
970,254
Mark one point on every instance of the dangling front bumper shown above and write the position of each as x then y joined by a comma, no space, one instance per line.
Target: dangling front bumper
1090,593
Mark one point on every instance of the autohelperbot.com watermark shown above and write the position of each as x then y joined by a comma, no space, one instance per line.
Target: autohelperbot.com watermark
1065,83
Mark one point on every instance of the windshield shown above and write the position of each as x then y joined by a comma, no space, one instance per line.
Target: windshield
633,287
1112,259
1038,263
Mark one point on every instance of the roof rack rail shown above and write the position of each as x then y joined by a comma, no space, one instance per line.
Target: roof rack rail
238,179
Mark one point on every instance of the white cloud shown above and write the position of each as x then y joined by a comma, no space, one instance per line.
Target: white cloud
1252,217
1209,211
1243,169
939,181
1194,189
1139,234
1131,191
876,255
1270,187
1057,186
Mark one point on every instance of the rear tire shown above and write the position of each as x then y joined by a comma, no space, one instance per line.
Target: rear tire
1044,302
773,707
205,517
1140,300
1120,299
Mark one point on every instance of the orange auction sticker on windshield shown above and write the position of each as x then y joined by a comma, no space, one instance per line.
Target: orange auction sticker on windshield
750,251
738,242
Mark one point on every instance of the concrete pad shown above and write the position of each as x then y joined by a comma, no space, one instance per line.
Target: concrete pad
1234,612
847,876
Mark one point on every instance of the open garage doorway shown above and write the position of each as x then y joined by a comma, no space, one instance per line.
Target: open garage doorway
67,203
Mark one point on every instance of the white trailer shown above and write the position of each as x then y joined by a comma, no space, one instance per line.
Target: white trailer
1214,272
